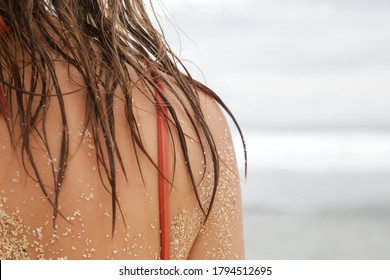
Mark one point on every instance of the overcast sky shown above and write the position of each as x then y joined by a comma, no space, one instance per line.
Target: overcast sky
287,63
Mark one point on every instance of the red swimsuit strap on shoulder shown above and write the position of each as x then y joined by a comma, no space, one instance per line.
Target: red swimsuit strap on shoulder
163,165
4,27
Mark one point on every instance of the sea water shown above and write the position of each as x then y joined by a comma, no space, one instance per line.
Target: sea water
317,194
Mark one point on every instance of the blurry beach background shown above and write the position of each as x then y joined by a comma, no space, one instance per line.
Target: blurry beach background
309,82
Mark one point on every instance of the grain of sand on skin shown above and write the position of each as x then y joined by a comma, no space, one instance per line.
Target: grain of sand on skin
215,235
21,242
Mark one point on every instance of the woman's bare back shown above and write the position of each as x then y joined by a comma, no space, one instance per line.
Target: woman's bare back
84,227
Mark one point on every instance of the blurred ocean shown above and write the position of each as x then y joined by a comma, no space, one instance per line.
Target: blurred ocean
317,195
309,80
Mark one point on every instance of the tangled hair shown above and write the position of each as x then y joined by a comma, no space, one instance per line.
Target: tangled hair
99,39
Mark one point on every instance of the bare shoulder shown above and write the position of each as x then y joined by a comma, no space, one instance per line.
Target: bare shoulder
222,235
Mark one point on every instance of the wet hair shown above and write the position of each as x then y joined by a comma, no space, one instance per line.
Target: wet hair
107,35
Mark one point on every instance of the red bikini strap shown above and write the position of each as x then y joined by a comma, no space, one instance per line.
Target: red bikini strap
163,165
3,27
